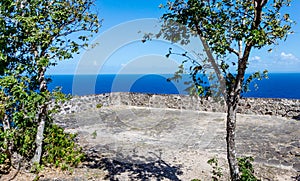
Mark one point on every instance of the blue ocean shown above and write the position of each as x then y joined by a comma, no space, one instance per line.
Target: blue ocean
278,85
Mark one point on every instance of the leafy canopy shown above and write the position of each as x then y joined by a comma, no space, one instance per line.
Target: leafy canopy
224,22
35,35
229,28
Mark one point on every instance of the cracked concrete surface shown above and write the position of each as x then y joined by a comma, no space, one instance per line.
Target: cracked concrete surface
185,139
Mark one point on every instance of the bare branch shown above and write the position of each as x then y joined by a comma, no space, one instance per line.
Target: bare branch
231,50
212,60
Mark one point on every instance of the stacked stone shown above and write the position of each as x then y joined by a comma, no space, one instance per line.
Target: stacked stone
277,107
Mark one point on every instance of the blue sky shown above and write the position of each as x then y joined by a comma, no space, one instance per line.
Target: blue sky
121,51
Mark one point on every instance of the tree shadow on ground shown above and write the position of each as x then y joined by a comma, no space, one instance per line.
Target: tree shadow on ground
297,177
136,167
296,117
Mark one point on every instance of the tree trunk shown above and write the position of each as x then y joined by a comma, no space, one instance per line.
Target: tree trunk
39,142
6,123
41,120
230,140
8,142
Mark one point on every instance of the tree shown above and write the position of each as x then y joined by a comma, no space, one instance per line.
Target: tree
35,35
227,29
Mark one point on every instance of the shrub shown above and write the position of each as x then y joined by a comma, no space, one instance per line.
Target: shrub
246,169
60,149
217,170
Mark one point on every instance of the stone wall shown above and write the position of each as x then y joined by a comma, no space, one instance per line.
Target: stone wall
277,107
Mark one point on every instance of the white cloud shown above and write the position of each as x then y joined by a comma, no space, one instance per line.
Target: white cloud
288,56
256,58
275,62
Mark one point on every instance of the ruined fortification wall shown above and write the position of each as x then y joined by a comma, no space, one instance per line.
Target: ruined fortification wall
278,107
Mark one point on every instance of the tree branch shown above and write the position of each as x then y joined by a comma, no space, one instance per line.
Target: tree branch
212,60
243,61
231,50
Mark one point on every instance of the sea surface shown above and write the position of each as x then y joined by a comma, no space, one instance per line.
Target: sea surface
278,85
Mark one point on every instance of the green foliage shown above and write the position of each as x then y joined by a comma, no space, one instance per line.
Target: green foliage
245,166
226,28
59,99
200,79
36,168
254,76
246,169
98,106
94,134
217,170
60,149
222,22
24,141
35,35
4,155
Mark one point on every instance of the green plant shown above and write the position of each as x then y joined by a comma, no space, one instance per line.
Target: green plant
60,149
246,169
94,134
217,170
36,168
36,35
195,180
3,147
98,106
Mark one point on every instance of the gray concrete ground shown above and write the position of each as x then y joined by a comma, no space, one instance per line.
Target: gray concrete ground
139,143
